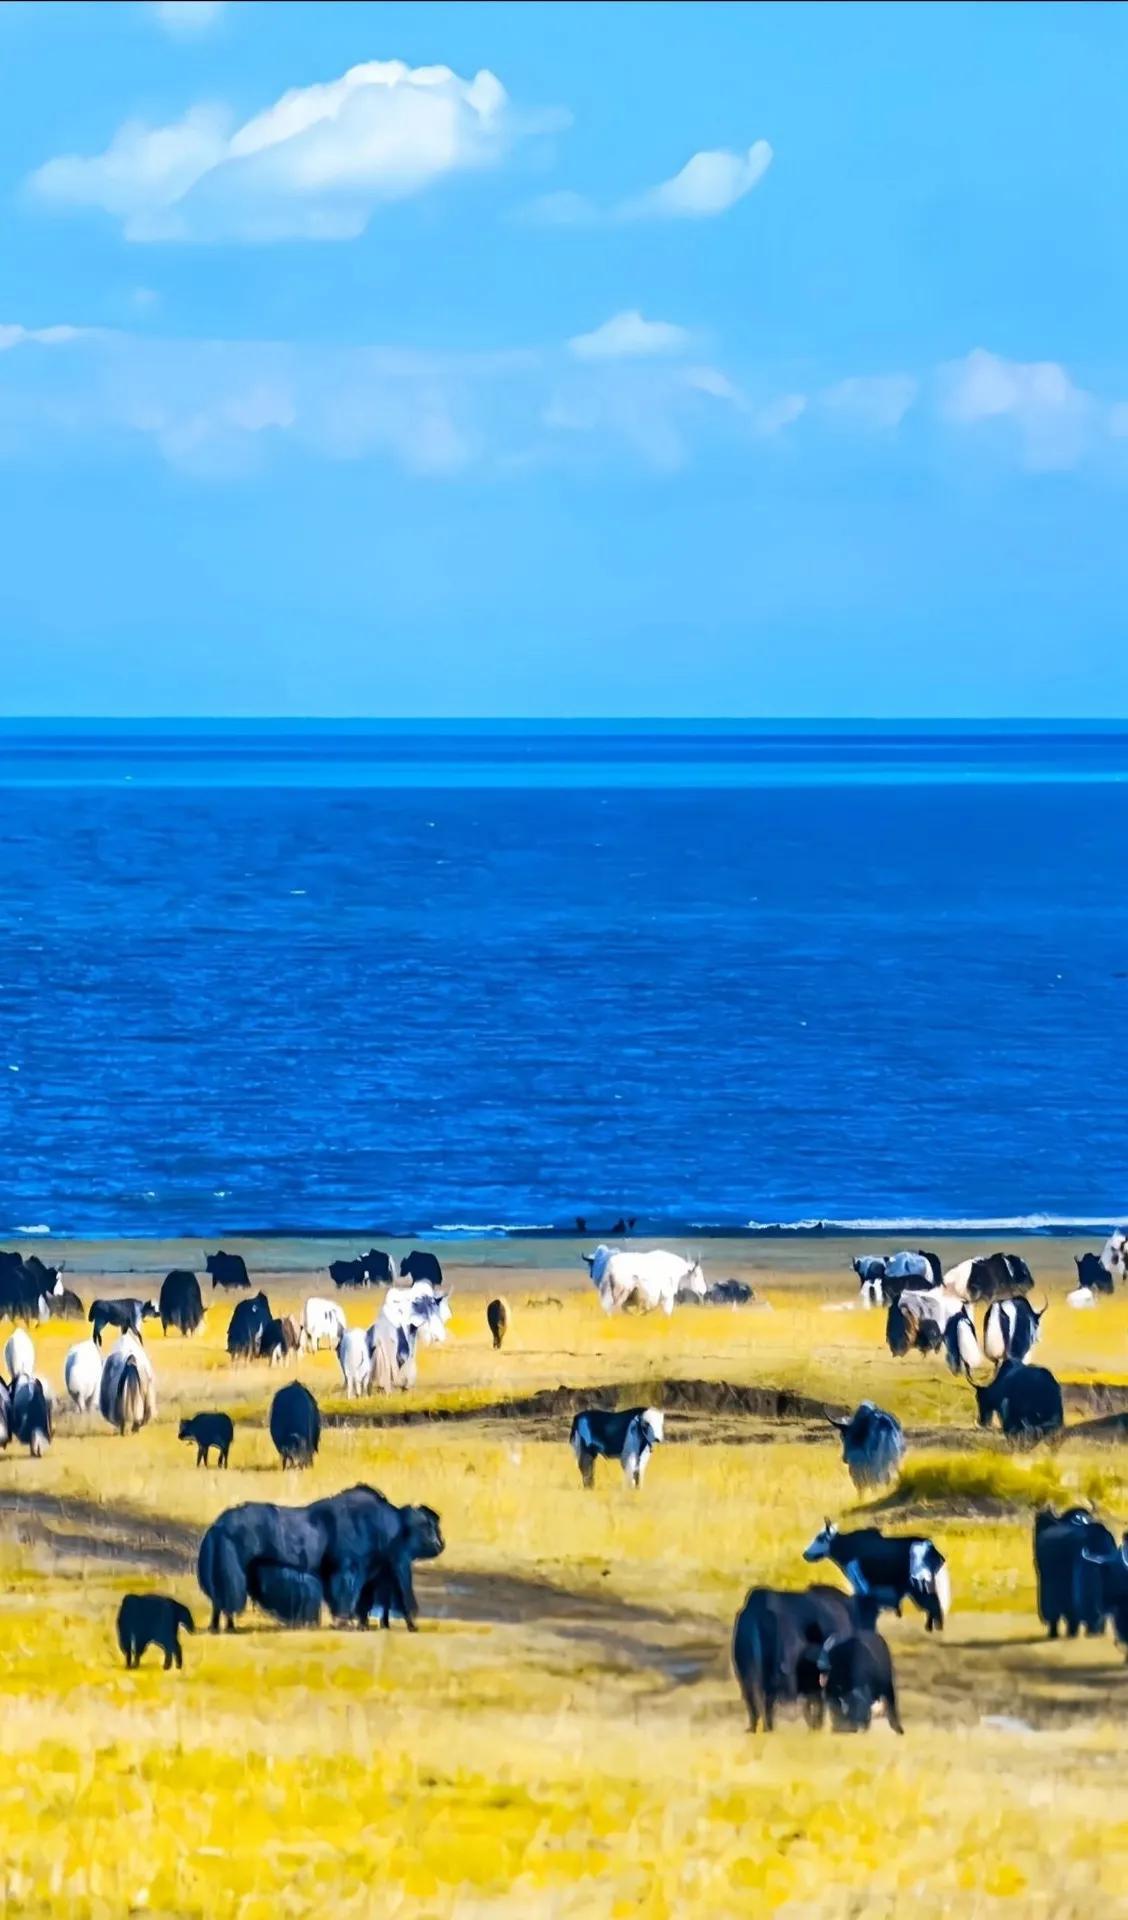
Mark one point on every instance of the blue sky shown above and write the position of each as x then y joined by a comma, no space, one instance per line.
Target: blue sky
563,359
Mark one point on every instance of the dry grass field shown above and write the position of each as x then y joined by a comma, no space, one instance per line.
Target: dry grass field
563,1737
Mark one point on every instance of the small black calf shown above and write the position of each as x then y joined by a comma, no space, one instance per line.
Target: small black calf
857,1673
209,1430
152,1620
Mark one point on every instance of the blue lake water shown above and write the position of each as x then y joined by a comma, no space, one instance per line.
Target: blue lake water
258,978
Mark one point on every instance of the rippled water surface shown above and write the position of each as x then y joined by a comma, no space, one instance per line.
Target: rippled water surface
390,977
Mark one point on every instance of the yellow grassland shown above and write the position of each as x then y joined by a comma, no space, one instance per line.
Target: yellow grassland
563,1736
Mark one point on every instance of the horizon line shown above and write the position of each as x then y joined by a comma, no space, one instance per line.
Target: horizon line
1045,723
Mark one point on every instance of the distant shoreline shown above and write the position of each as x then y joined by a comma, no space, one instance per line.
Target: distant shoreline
795,1254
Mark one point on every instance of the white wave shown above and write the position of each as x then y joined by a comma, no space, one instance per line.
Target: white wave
489,1226
911,1223
40,1228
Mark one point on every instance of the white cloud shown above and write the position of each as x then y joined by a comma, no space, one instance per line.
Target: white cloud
627,336
629,390
185,17
781,413
313,166
878,402
716,384
709,184
1055,419
16,336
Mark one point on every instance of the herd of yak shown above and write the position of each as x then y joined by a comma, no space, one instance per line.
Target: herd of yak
353,1552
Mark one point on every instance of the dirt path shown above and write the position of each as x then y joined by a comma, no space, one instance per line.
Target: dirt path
681,1649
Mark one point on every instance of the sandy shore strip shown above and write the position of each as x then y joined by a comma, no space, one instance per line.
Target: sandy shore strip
779,1262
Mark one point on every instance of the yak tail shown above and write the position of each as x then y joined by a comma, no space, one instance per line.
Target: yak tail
942,1587
751,1677
221,1573
133,1408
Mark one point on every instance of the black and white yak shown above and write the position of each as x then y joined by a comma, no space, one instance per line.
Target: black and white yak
882,1279
127,1395
991,1276
1011,1330
628,1437
888,1569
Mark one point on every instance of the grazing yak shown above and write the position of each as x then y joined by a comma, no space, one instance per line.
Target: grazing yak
775,1644
181,1304
1093,1275
719,1293
26,1287
152,1620
19,1353
1114,1254
247,1326
127,1395
1070,1581
5,1414
295,1425
1011,1330
409,1314
918,1320
281,1340
227,1270
65,1305
497,1320
371,1269
1027,1401
961,1347
355,1362
29,1417
421,1266
207,1430
856,1671
350,1552
888,1569
644,1281
322,1320
873,1445
127,1315
992,1276
1112,1565
82,1375
628,1437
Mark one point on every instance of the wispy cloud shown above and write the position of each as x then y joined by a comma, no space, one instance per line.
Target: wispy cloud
627,336
631,390
185,17
1056,420
313,166
709,184
17,336
878,402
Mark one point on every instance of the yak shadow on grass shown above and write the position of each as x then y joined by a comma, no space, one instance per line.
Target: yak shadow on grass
681,1648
